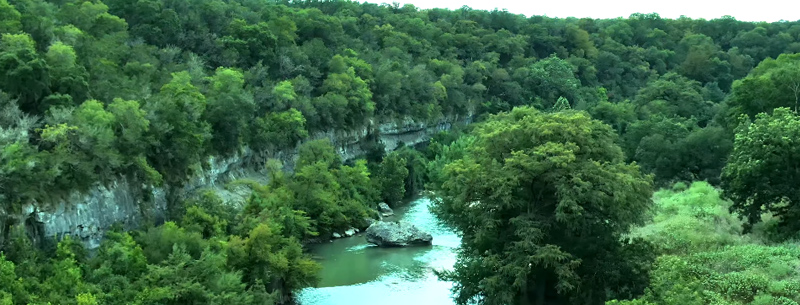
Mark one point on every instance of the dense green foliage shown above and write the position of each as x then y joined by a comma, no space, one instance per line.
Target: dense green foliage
198,78
706,260
165,265
393,173
766,159
774,83
688,219
213,254
542,201
148,90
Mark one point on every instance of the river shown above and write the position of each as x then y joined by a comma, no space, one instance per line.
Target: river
355,272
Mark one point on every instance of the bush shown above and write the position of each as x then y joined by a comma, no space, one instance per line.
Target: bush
695,219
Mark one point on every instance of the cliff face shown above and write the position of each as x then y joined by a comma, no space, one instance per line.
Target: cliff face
87,216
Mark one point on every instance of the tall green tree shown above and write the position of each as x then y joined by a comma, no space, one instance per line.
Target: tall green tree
178,125
96,140
229,111
542,201
131,128
26,75
272,260
773,83
66,75
702,60
348,94
417,172
391,178
12,291
11,18
674,95
22,172
278,130
763,168
318,151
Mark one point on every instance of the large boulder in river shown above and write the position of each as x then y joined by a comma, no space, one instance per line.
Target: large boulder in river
385,209
396,234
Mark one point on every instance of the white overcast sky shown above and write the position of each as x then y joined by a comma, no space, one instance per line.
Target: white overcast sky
744,10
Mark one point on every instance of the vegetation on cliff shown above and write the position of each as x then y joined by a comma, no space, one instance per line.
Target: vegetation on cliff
94,90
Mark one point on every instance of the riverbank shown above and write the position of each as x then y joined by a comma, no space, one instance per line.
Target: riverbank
312,242
352,267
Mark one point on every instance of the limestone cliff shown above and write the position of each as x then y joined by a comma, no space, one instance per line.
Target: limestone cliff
88,215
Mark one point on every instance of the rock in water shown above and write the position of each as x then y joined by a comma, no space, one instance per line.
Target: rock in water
396,234
385,209
337,235
350,232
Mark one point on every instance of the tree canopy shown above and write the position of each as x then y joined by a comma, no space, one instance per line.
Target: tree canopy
211,78
595,114
762,169
541,201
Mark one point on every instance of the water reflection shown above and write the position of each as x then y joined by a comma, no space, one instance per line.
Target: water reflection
355,272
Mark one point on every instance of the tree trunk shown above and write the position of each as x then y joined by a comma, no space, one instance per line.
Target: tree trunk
796,89
524,296
541,290
796,96
278,285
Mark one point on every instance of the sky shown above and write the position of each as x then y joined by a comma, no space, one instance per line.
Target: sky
749,10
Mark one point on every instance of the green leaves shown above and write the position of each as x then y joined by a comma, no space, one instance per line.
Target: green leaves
130,126
99,99
748,274
692,220
183,269
762,169
248,43
279,130
318,194
317,151
285,93
673,95
773,83
96,136
322,197
26,75
12,290
91,17
391,178
66,74
230,109
20,174
551,78
702,59
274,260
676,149
417,172
178,126
10,18
350,93
531,189
119,255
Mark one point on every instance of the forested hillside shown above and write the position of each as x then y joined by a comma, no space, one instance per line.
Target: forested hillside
148,90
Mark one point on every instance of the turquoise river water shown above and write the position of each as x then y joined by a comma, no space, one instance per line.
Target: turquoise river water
355,272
